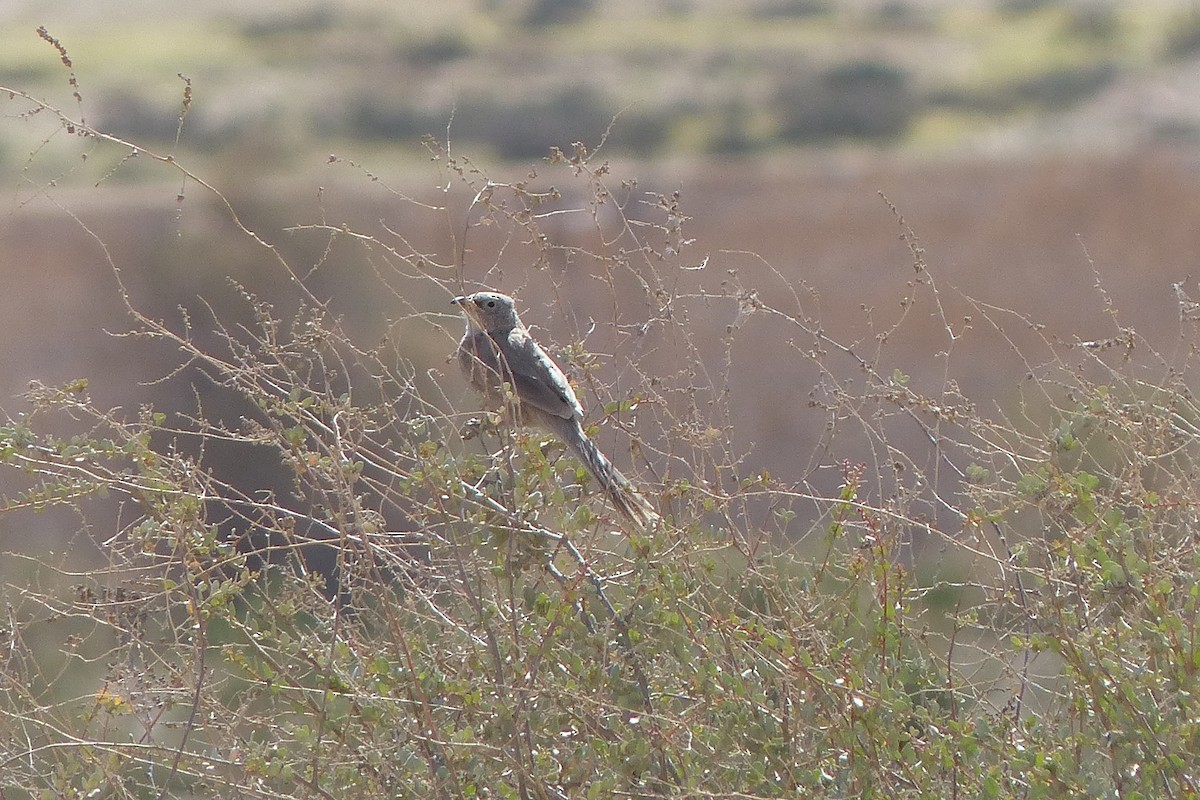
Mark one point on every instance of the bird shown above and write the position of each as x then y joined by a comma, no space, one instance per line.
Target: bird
497,349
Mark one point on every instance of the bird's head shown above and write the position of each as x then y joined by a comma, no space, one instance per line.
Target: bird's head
491,311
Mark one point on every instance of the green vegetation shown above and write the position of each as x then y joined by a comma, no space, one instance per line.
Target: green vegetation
512,79
322,574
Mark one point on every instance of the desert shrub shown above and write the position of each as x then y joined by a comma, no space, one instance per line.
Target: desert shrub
557,12
1058,88
1052,90
1091,23
513,130
438,49
528,128
1183,38
299,20
732,134
789,9
370,115
864,99
904,15
1024,6
488,627
134,116
1095,23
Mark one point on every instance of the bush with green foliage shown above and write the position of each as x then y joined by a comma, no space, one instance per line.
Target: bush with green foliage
489,629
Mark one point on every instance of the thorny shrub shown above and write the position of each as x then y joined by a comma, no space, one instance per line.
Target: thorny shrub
486,627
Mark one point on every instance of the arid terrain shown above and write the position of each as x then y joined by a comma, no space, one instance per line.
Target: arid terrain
1084,247
887,308
1040,158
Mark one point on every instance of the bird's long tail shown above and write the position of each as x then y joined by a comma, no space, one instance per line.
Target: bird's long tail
620,491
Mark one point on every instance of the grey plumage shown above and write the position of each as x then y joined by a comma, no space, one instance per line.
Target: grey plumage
497,349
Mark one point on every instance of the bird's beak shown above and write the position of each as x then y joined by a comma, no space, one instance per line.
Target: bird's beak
469,309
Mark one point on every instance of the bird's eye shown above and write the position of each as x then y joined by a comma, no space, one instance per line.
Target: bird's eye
491,303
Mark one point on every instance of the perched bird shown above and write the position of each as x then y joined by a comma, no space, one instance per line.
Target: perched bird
497,349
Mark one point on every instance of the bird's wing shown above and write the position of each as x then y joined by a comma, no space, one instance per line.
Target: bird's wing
537,380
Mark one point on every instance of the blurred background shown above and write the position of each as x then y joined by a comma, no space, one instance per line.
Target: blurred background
1045,154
